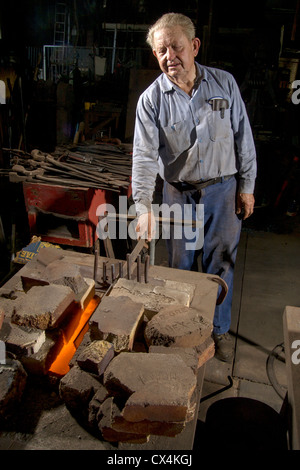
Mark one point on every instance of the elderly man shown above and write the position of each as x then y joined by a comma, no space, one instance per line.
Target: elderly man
192,128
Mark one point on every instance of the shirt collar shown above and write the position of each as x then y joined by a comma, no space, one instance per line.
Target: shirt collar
167,85
202,73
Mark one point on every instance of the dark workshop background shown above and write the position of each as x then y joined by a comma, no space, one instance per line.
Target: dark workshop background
109,64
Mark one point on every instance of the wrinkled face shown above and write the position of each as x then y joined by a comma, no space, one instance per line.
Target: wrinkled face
175,53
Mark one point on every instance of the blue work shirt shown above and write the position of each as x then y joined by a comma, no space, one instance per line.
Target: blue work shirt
184,139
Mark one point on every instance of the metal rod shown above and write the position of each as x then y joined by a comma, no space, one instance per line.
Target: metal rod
96,254
104,271
147,262
128,266
120,269
161,220
138,268
113,273
114,50
152,251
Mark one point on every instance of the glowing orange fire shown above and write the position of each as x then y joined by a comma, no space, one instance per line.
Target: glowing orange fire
72,337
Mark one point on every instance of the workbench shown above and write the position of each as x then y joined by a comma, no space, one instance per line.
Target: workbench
204,299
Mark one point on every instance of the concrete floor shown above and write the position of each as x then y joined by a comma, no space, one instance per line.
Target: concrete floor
266,280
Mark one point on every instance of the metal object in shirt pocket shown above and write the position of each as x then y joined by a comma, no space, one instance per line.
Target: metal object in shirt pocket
218,119
219,104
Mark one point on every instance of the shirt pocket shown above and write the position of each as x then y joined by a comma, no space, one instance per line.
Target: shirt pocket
219,124
176,138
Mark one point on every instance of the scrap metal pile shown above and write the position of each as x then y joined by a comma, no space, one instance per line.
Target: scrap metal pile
93,165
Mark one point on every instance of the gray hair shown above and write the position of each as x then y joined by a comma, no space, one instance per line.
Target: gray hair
170,20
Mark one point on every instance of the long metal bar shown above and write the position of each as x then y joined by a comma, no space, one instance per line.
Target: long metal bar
161,220
114,50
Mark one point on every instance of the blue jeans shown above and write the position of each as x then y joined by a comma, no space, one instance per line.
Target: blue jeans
222,230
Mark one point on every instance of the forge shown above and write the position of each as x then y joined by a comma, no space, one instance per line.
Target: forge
99,348
76,326
47,313
48,351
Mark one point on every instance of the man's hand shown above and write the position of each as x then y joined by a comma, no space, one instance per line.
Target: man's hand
245,204
146,226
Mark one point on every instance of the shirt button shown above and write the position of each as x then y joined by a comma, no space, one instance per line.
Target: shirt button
200,139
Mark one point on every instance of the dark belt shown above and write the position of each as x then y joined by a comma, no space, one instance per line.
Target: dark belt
182,186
